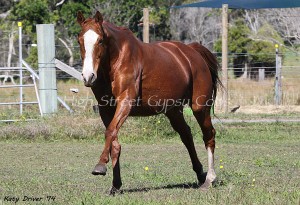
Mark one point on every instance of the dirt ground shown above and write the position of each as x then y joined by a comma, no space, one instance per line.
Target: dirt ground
269,109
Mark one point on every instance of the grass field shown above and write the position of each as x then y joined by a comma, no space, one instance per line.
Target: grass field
55,156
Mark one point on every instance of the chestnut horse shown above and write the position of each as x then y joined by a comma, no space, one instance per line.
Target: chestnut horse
147,79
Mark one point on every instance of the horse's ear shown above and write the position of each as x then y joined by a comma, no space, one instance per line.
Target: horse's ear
80,17
98,17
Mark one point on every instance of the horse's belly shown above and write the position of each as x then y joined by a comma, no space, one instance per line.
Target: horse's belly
142,111
156,104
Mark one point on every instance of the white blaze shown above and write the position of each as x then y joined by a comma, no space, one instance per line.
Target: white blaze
90,39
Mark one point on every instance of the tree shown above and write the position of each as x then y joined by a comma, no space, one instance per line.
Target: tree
68,29
238,38
253,47
238,41
62,13
129,13
196,24
67,20
284,21
31,12
262,48
5,5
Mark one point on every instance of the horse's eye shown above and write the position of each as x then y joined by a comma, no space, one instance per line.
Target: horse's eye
101,41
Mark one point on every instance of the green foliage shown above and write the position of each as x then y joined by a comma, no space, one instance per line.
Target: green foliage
159,17
121,12
238,38
126,13
267,31
5,5
261,51
241,40
31,12
68,14
32,58
263,48
129,14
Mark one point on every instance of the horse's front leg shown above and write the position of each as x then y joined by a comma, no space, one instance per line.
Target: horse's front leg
112,145
115,156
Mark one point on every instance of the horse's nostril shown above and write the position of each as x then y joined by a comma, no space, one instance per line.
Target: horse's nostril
92,77
89,80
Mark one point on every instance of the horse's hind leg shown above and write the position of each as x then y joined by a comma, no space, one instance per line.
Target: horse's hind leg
179,125
204,120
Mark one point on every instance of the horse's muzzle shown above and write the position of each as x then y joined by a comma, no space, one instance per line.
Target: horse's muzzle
90,80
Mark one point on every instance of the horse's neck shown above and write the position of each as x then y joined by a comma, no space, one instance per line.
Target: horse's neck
104,71
118,37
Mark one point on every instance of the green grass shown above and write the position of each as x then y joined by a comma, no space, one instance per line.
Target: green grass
55,156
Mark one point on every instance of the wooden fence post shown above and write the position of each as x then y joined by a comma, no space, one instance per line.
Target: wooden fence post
146,25
261,74
225,55
278,86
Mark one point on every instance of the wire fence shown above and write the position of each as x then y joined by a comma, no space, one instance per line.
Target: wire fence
249,83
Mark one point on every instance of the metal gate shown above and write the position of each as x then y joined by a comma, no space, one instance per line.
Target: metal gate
20,85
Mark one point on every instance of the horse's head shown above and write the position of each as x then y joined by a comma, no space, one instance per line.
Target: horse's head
92,48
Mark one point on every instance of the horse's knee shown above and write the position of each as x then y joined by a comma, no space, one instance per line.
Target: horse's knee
110,133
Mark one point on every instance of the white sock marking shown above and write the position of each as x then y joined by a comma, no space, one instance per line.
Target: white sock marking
211,175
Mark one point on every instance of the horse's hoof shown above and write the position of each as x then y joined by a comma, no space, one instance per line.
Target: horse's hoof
202,178
100,169
205,186
114,191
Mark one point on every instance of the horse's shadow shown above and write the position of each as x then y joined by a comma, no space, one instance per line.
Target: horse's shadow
192,185
169,186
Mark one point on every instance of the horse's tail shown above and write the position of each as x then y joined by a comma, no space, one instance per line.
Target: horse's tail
212,63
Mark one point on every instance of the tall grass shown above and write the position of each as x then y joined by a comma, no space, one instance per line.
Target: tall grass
89,127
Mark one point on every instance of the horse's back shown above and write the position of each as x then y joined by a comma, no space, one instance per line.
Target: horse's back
168,72
167,65
171,56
